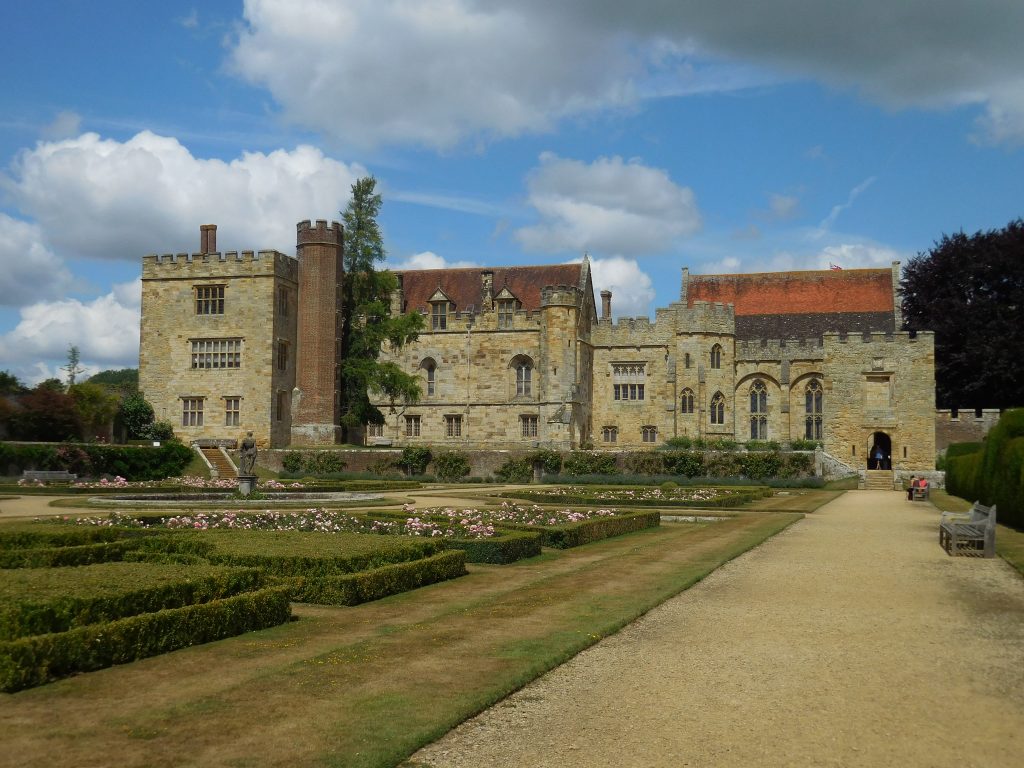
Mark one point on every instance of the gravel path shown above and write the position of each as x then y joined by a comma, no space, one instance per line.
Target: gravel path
851,639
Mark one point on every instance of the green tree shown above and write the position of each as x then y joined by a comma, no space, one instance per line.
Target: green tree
10,385
124,379
137,416
73,368
969,290
96,406
367,322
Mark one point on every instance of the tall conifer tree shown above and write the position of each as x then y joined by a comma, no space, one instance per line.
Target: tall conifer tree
367,322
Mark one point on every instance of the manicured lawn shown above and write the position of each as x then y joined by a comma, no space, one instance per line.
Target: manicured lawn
368,685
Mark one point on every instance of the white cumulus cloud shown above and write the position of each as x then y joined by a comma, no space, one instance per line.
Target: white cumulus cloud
429,260
105,330
28,269
107,199
631,287
608,206
435,72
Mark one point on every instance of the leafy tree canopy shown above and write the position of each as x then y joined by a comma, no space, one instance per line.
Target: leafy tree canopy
10,385
367,322
969,290
124,379
136,414
45,414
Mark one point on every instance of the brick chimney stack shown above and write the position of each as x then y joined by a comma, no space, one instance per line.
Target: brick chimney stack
207,238
606,305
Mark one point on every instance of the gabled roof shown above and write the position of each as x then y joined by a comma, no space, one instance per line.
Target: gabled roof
464,287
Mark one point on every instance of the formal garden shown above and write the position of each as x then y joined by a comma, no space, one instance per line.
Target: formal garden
357,596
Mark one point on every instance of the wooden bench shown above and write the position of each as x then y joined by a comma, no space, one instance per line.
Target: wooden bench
921,493
47,475
969,533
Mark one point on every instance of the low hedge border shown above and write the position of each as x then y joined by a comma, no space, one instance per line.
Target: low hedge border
205,546
587,531
42,535
734,499
31,661
502,549
363,587
28,617
52,557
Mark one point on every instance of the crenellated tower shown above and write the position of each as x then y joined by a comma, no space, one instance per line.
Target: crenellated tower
316,397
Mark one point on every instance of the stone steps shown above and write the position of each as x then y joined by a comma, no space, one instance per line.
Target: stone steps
222,468
878,480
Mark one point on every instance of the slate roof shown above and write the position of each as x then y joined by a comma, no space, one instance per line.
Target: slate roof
801,305
465,286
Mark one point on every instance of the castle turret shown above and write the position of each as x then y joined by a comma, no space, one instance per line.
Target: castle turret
315,400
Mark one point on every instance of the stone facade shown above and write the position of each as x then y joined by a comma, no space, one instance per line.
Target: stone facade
517,357
218,332
505,359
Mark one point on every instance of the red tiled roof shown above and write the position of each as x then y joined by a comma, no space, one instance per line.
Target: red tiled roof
787,293
465,286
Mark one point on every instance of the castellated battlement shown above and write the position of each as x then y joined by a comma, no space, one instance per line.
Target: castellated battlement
320,234
902,337
560,296
779,349
631,331
704,317
219,264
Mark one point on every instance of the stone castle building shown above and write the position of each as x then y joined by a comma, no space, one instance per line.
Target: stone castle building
519,357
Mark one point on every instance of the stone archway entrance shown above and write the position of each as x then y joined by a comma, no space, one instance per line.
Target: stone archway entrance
880,443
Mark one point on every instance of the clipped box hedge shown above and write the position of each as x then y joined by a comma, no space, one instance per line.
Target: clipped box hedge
39,601
595,529
295,553
53,557
41,535
503,548
734,498
375,583
31,661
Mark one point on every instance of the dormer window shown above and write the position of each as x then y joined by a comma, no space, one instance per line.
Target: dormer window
506,311
440,307
439,315
507,306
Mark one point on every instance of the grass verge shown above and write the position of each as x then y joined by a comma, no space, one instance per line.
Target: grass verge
367,686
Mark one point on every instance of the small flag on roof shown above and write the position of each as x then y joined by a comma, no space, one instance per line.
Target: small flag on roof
834,266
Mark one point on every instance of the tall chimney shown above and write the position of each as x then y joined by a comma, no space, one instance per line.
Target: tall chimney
606,305
207,238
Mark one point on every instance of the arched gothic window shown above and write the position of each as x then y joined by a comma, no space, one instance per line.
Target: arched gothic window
523,367
686,402
718,408
430,369
758,410
716,356
812,421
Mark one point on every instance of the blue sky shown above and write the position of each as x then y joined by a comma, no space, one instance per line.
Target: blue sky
736,136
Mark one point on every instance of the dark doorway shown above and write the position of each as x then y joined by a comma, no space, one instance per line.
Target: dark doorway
880,452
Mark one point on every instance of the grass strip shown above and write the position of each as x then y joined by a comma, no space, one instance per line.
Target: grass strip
366,686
